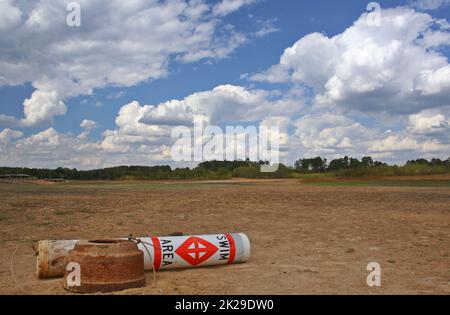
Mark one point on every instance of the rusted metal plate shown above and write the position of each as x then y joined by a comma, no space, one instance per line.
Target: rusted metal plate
105,266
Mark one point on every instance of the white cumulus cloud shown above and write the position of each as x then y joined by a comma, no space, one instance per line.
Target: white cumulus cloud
39,109
429,122
329,133
396,67
119,43
223,103
88,124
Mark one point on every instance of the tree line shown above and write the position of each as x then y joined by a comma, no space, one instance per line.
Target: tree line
320,165
346,166
205,170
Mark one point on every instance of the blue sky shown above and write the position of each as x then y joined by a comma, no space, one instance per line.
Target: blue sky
394,108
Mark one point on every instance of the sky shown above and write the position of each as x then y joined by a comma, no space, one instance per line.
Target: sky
337,77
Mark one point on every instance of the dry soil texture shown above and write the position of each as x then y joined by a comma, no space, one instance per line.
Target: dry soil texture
306,239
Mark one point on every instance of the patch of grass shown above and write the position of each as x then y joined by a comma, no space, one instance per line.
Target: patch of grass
146,186
63,212
413,169
3,217
310,271
385,183
391,261
77,187
312,175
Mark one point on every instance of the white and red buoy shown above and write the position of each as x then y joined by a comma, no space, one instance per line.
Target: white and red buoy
160,253
173,252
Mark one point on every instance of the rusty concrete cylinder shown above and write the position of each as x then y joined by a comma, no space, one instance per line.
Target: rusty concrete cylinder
105,266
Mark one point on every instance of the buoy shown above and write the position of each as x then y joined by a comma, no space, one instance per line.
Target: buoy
160,253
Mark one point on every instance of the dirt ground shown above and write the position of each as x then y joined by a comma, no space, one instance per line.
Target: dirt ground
306,239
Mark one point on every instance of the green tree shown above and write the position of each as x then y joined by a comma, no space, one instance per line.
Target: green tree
315,165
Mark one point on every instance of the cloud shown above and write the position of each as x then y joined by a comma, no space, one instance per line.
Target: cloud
395,143
87,124
117,95
223,103
39,109
433,81
399,143
119,43
334,135
10,17
359,84
42,107
8,134
395,68
151,125
50,148
329,133
226,7
266,28
429,4
131,133
47,137
429,122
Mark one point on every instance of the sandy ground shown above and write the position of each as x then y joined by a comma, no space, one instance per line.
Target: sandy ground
305,239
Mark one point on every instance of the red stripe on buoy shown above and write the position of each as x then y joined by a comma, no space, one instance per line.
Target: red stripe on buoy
232,248
157,251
